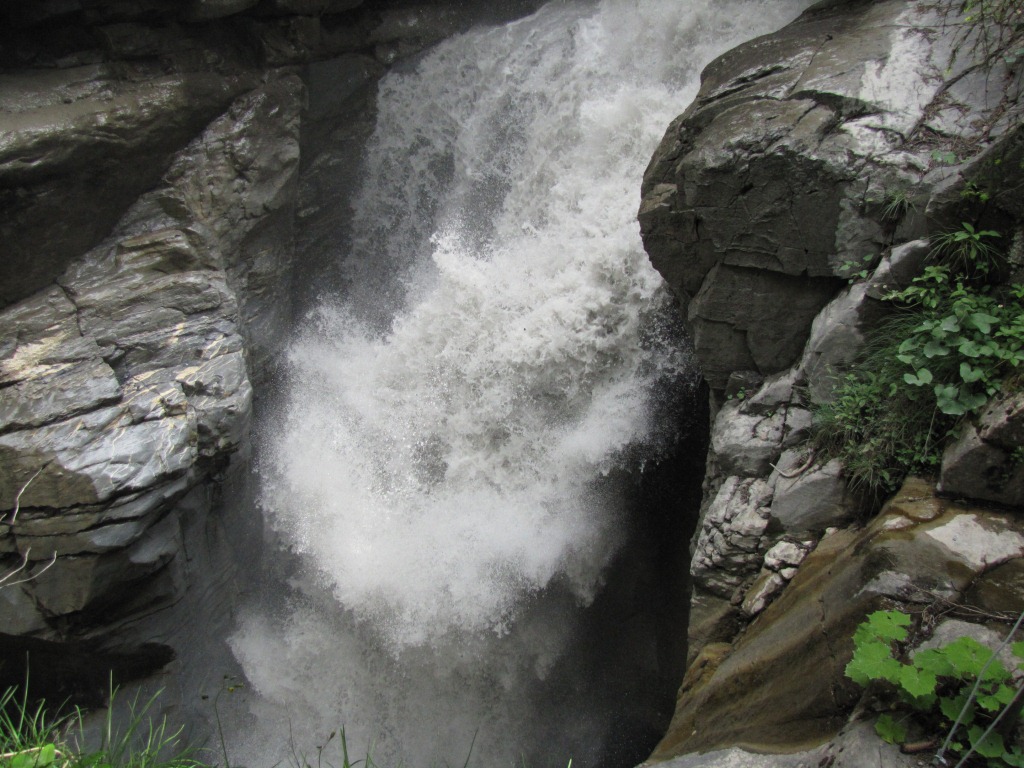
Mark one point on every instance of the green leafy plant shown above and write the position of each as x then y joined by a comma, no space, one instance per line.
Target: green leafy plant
897,204
858,270
939,691
966,344
969,250
974,192
26,737
954,341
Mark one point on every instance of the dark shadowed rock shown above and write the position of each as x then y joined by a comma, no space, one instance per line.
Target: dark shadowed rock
71,163
986,462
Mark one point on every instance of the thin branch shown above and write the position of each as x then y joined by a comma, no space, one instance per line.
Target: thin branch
24,564
17,499
29,751
790,474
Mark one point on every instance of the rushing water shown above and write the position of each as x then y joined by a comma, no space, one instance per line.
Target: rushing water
448,478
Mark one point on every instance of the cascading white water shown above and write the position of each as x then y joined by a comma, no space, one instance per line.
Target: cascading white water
444,470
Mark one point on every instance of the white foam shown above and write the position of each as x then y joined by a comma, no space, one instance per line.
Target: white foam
440,462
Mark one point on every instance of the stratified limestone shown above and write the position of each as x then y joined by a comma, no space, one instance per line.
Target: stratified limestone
798,190
781,685
126,386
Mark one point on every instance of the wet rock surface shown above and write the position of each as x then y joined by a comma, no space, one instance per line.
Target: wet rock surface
780,686
126,384
799,188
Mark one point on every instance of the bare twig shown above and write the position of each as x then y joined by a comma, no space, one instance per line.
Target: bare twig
17,499
24,564
792,473
29,751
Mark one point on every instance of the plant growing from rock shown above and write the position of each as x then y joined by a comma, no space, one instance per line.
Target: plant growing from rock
954,342
960,691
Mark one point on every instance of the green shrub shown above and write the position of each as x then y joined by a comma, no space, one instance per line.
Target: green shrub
953,342
959,690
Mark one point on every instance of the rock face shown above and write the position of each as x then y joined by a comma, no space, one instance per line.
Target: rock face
127,383
782,687
78,148
155,157
772,184
769,208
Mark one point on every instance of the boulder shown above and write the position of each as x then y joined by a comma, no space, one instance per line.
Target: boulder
809,498
837,338
783,172
100,483
72,162
747,444
781,687
986,461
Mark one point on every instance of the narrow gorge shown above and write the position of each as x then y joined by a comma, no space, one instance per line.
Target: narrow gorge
343,385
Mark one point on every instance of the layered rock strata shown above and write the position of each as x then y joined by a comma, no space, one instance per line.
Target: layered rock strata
126,384
157,161
768,209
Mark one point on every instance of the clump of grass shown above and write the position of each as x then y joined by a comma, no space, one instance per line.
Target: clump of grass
955,341
33,737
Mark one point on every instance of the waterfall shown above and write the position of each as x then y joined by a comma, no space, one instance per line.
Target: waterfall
447,479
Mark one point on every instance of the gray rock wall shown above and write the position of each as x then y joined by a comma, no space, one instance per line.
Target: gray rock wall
158,161
761,207
126,384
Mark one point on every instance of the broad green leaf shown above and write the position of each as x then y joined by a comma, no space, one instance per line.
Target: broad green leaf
972,401
935,349
951,706
47,754
924,376
950,406
949,324
889,625
969,374
969,348
917,682
982,321
990,746
933,660
1018,649
996,700
968,657
34,758
873,661
890,730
